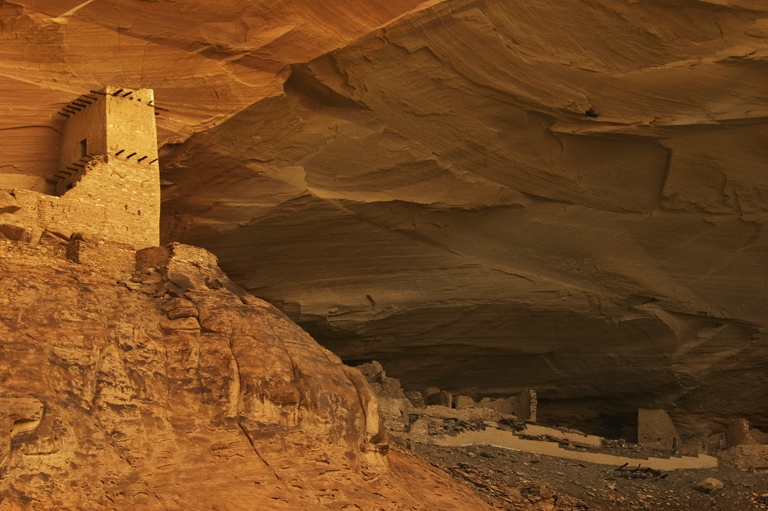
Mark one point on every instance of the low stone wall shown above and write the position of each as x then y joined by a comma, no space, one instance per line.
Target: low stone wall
36,213
418,416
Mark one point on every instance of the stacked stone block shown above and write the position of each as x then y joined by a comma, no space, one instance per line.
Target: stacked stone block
109,159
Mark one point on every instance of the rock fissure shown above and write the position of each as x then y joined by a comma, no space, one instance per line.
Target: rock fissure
235,381
255,450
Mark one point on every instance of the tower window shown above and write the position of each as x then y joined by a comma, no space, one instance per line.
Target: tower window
84,148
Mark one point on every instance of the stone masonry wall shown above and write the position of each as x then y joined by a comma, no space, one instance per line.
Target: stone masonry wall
130,125
36,212
656,430
116,167
89,124
129,195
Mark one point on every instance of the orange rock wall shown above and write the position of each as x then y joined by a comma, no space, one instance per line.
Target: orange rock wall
420,184
172,388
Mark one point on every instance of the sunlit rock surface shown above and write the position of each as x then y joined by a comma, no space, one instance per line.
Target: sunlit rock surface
172,389
484,196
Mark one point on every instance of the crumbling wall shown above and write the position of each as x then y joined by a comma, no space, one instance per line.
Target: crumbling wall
35,213
738,433
419,416
527,405
130,196
133,219
745,447
523,405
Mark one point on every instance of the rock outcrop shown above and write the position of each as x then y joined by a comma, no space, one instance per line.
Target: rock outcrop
170,387
485,196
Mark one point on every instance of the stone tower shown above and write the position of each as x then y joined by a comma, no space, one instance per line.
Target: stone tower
109,158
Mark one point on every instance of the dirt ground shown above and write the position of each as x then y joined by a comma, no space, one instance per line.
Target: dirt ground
517,481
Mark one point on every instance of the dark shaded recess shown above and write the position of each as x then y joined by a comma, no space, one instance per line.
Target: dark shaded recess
304,82
619,424
234,289
459,367
338,340
613,417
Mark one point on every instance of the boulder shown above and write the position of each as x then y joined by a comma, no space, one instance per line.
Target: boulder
15,232
708,485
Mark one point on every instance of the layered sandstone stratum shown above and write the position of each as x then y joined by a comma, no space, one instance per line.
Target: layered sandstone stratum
171,388
484,196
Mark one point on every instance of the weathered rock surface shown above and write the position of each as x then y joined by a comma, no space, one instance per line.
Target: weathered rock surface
171,388
433,196
709,485
485,196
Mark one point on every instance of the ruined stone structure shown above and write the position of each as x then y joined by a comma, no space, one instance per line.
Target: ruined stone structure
109,158
108,181
738,433
656,430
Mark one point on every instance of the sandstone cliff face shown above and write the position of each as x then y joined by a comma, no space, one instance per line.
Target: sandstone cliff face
207,61
491,195
482,195
172,388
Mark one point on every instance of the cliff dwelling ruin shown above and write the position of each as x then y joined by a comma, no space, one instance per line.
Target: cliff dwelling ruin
546,221
107,185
